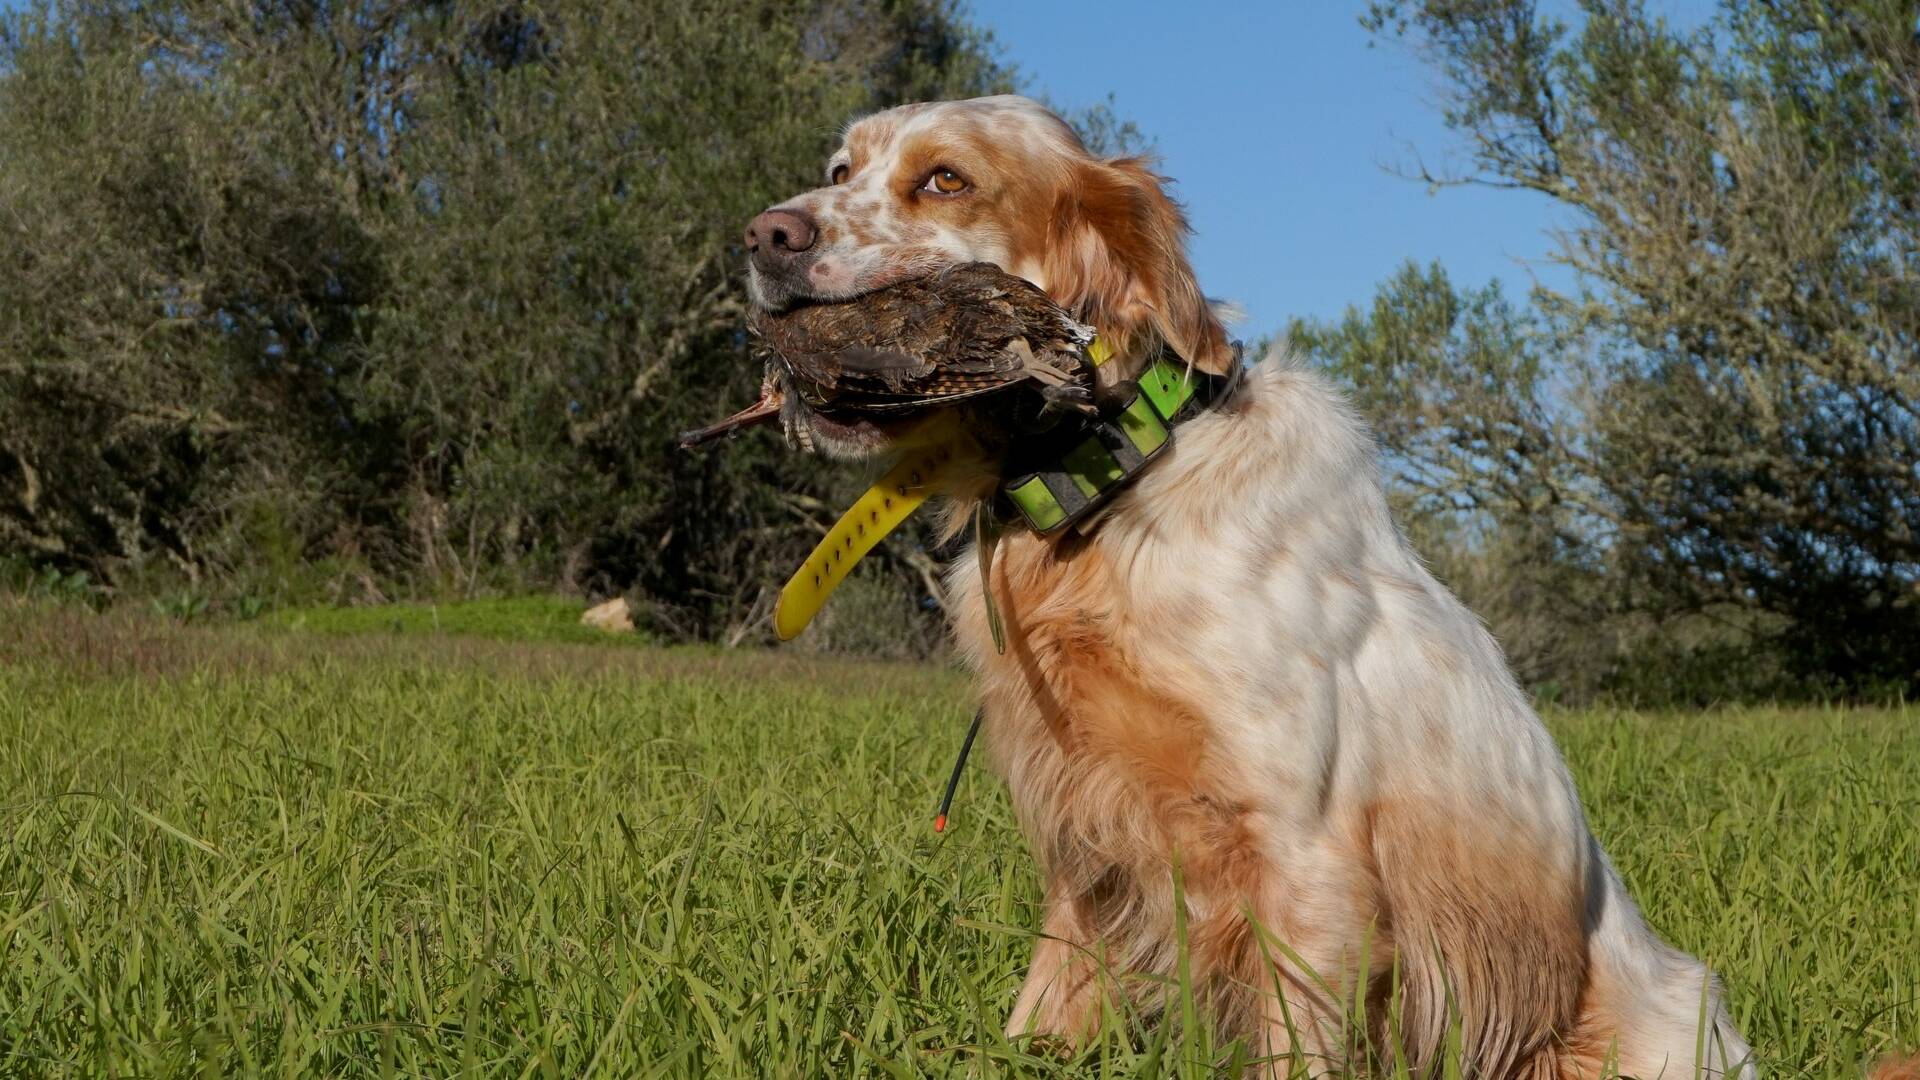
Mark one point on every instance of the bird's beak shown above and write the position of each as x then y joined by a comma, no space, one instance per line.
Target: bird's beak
761,411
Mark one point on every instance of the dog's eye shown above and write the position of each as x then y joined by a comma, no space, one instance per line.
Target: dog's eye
839,174
945,182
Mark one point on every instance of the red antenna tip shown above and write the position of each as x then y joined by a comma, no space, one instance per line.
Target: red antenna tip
940,823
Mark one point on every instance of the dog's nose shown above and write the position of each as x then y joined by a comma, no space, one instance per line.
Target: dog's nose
779,233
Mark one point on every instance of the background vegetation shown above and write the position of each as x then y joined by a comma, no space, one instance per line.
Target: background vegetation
234,850
368,299
349,301
1698,475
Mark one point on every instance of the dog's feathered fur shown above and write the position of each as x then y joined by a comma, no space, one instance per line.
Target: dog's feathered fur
1246,668
1244,672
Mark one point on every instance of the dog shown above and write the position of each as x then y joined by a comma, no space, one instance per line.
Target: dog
1242,677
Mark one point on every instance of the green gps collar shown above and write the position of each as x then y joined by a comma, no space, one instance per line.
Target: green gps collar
1059,482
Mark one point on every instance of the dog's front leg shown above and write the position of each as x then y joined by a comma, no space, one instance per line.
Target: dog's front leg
1062,995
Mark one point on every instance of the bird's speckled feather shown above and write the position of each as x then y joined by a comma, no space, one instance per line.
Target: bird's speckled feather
968,330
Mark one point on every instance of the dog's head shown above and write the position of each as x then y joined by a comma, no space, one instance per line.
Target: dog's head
999,180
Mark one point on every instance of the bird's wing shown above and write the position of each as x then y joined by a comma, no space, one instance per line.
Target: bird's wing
814,374
893,366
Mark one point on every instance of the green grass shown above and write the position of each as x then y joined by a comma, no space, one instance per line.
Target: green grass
240,850
521,619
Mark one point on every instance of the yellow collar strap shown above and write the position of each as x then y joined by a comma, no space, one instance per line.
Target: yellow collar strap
888,503
934,447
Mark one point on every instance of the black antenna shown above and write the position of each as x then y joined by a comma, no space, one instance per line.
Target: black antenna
946,801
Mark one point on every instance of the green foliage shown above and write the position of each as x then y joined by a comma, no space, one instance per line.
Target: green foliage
184,606
243,851
415,292
1737,423
1456,383
24,578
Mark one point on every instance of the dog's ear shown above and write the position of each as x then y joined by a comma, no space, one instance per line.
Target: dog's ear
1117,256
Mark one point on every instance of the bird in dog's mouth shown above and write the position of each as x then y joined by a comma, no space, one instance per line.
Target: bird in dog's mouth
851,378
923,366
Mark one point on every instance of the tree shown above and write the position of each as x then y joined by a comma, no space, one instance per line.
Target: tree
1748,213
417,289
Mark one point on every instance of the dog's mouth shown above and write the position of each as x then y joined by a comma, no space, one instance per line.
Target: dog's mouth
842,434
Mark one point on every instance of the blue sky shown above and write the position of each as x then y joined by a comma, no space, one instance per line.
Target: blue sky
1277,121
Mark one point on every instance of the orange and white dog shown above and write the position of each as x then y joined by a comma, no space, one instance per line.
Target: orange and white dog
1244,672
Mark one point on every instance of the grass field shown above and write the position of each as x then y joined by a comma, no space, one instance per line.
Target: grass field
540,619
241,850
